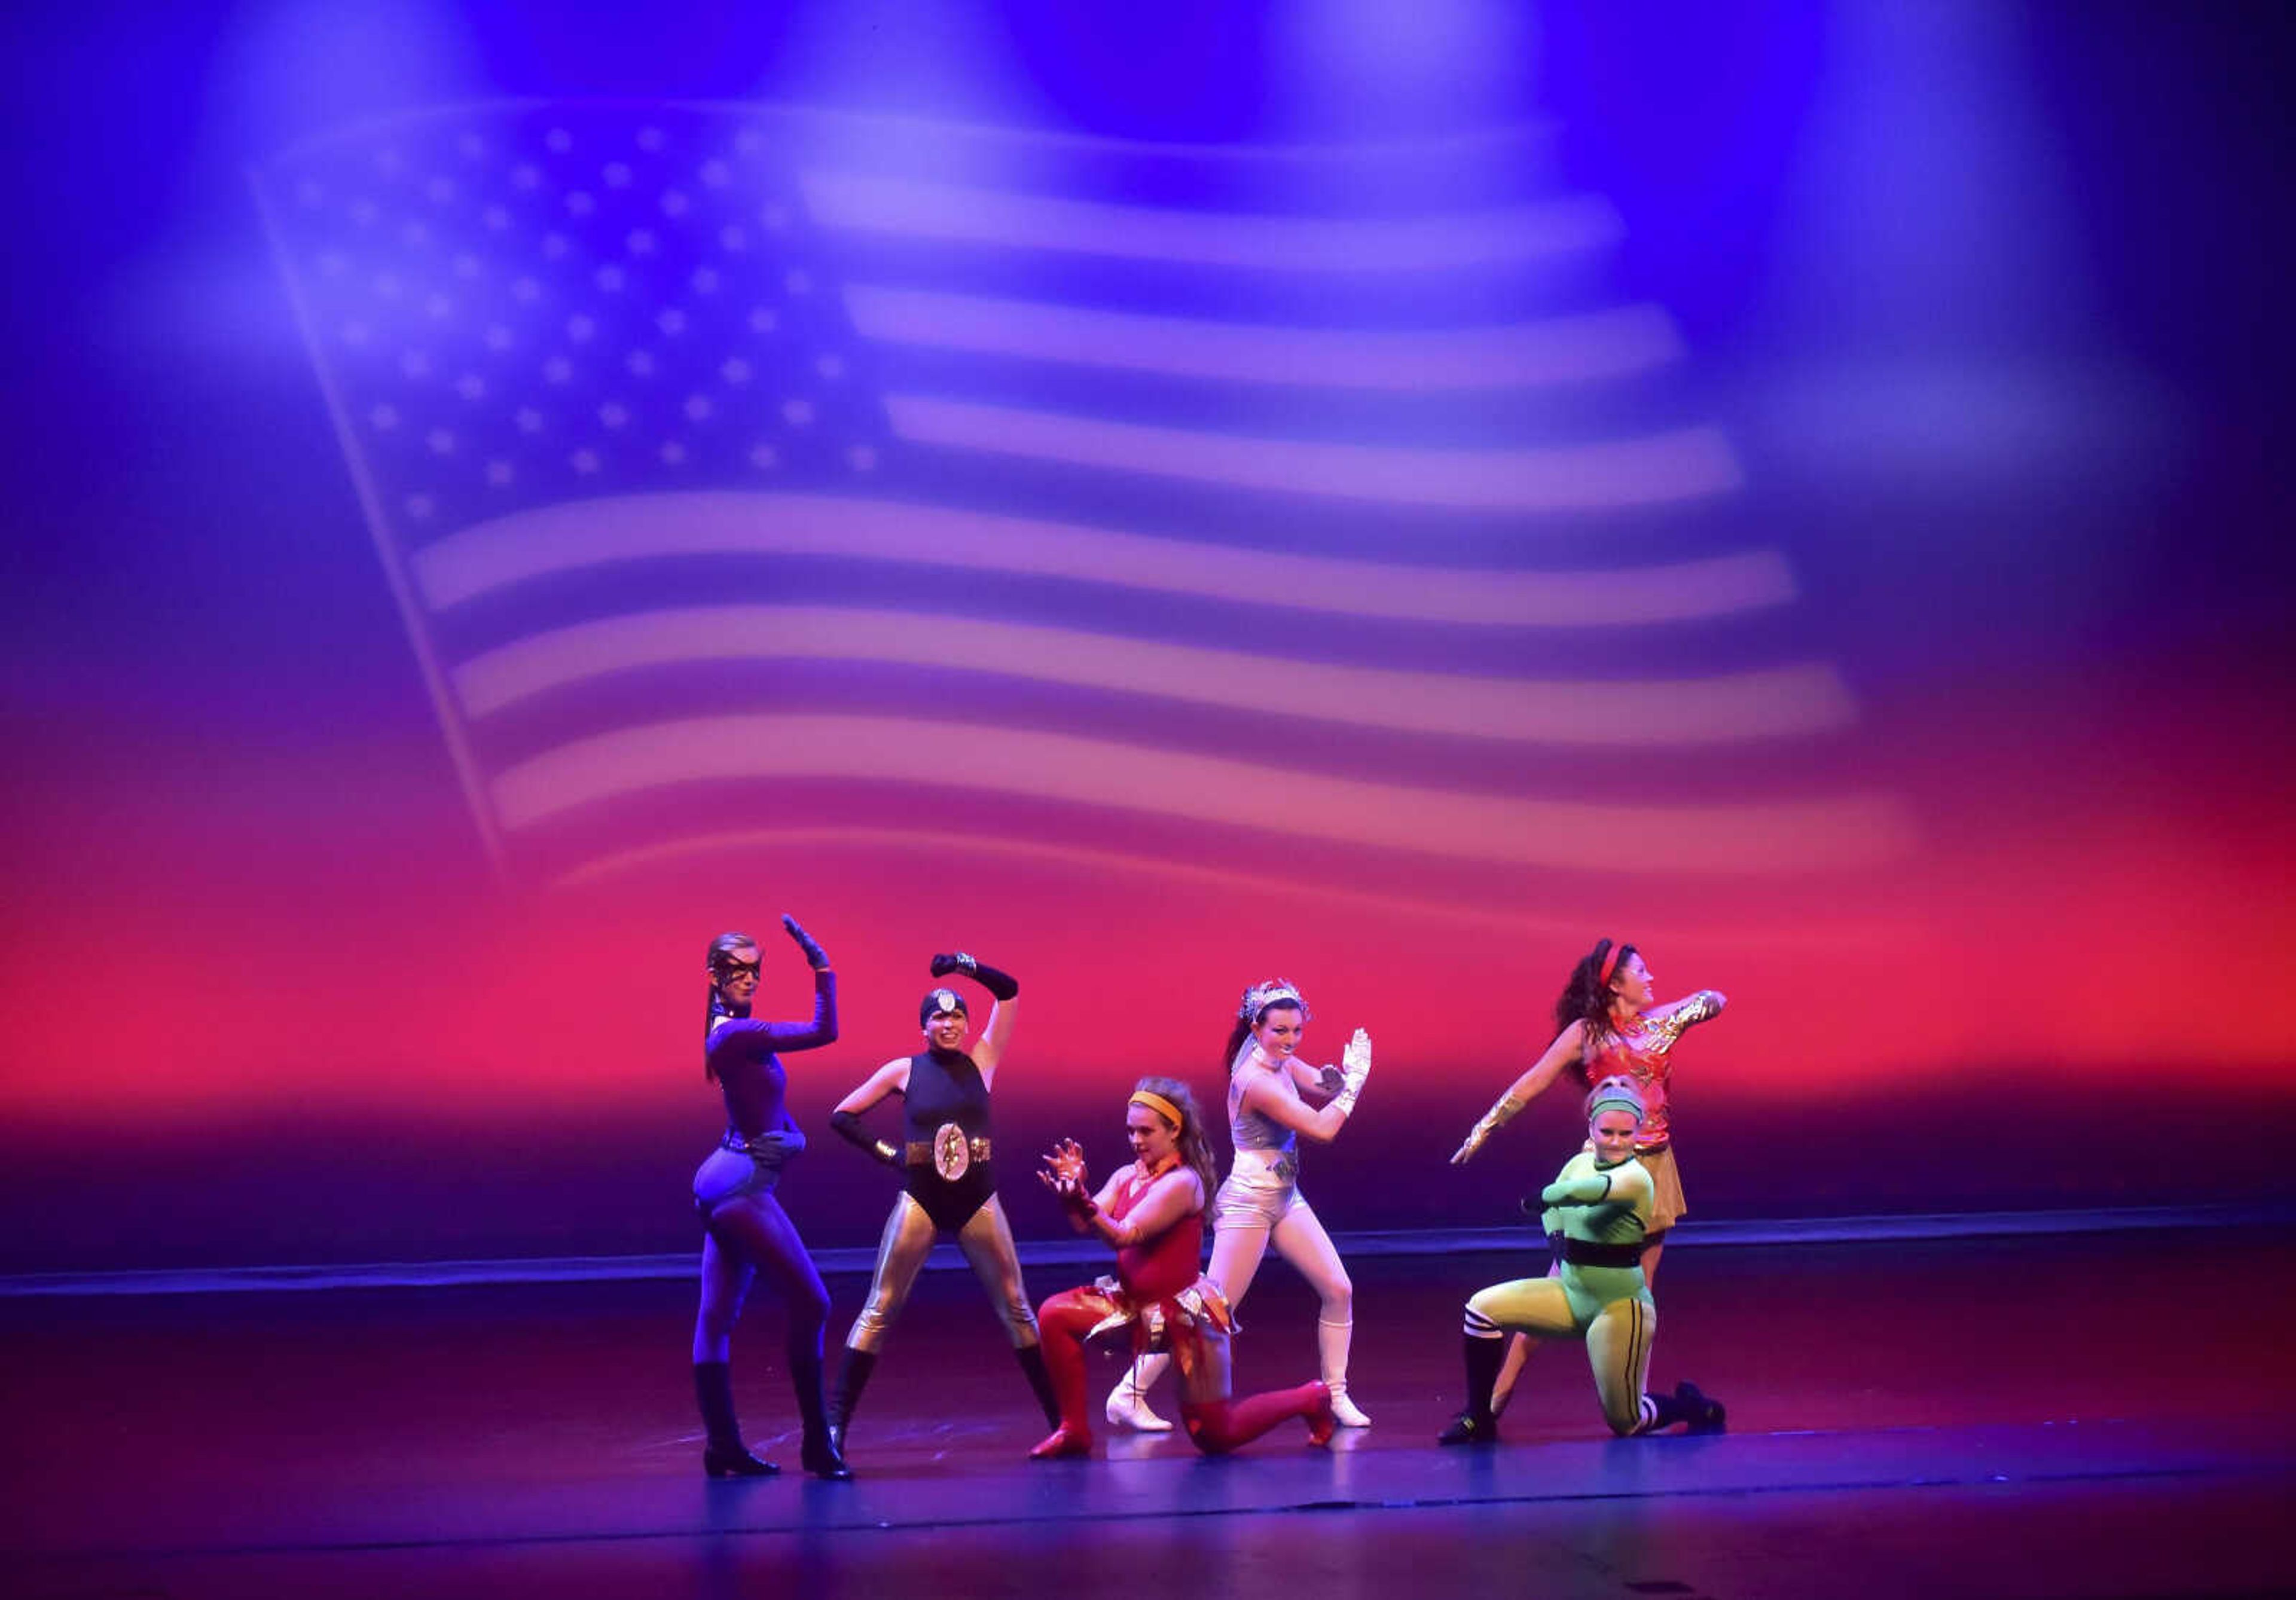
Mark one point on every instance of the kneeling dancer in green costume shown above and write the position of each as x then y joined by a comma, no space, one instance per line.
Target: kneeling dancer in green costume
1598,1208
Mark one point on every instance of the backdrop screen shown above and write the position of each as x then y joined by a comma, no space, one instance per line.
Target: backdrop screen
1159,508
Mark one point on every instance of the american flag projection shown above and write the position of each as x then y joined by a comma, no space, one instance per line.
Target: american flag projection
746,471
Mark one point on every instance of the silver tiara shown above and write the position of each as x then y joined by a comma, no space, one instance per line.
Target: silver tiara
1275,991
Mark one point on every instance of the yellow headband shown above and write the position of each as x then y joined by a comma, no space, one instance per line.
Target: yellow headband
1162,1107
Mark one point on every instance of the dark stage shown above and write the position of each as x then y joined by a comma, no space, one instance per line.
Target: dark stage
2088,1415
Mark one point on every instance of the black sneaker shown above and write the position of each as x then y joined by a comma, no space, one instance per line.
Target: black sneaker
1467,1428
1703,1415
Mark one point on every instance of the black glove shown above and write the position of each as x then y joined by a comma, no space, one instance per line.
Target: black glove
1001,984
814,957
1334,1079
847,1125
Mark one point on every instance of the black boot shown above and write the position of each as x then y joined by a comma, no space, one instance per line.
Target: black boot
852,1378
1475,1424
820,1455
1031,1357
724,1455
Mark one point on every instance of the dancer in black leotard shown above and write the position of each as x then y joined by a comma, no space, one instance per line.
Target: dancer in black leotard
746,1227
949,1182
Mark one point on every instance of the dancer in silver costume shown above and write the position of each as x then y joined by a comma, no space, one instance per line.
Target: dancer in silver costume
1260,1203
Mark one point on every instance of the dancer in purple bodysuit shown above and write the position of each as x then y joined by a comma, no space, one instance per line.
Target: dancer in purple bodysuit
747,1230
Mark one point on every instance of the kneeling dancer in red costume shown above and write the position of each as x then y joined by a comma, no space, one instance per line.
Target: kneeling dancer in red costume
1152,1213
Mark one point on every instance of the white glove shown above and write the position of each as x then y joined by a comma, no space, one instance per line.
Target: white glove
1355,1066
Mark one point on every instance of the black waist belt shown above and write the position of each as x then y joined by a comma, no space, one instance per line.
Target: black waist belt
1585,1252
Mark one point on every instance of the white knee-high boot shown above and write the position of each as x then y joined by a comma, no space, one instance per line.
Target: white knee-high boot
1332,1342
1127,1402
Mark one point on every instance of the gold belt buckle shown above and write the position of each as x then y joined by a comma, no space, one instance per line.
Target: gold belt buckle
952,1152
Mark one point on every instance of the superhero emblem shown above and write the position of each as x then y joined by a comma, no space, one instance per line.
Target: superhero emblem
952,1152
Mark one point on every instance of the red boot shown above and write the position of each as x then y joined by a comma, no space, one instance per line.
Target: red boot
1067,1439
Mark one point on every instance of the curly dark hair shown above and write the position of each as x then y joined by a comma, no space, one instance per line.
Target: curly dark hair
1195,1148
1587,998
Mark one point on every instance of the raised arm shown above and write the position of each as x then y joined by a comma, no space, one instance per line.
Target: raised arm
1703,1006
1004,989
1264,1094
823,1030
1567,1048
891,1078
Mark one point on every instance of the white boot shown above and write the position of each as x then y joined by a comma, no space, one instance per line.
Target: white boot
1332,1341
1127,1402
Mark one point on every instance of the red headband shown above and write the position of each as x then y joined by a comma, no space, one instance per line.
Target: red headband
1610,966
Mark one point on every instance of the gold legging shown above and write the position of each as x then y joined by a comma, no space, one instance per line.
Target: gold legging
987,1241
1618,1335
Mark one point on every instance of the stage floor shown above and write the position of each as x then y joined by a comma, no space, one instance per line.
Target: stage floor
2091,1417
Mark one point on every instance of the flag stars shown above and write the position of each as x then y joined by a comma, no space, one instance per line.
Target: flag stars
439,190
499,474
526,175
414,236
764,319
640,241
749,142
651,140
555,246
386,284
471,387
363,212
861,458
584,462
832,368
777,218
797,414
310,192
612,279
557,141
673,454
581,328
334,263
705,280
698,408
578,203
471,146
497,217
441,441
640,363
671,320
384,417
763,458
731,240
613,414
557,370
438,306
415,363
529,420
356,333
466,266
674,203
498,337
716,173
734,370
389,162
420,507
616,175
798,281
526,289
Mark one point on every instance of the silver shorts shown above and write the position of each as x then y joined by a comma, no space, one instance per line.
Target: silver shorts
1248,1200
